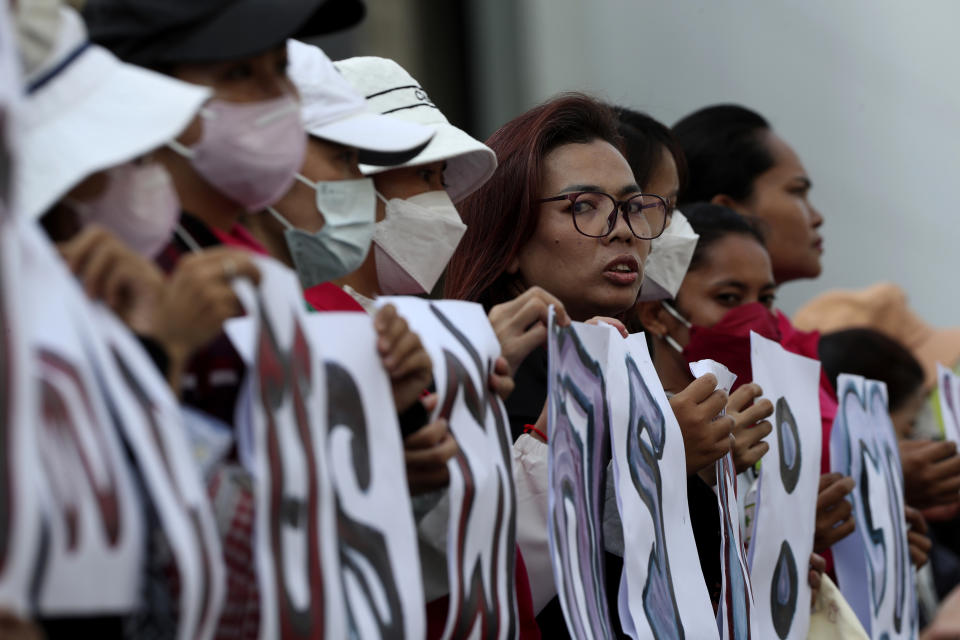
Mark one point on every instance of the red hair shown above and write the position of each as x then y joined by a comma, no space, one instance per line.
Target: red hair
502,215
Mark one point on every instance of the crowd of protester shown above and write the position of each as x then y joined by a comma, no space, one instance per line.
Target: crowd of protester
163,148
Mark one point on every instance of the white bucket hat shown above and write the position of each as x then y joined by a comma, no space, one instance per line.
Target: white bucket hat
390,90
86,111
333,111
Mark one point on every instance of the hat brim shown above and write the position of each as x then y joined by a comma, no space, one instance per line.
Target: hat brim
381,140
250,27
470,163
100,128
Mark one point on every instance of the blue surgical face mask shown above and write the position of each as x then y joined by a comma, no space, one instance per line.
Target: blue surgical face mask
349,209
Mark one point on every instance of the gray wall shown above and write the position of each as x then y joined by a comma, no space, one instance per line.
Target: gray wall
866,91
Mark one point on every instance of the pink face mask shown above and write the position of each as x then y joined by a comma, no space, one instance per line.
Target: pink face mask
249,151
139,205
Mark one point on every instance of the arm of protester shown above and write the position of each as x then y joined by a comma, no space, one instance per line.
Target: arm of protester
426,452
613,322
931,472
834,513
112,273
706,434
946,625
521,323
917,538
818,564
13,627
501,381
197,300
750,425
942,513
407,363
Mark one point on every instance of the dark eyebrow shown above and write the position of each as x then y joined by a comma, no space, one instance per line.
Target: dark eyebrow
629,189
730,283
573,188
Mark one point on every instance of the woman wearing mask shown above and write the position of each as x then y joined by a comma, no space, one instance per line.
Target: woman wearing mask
110,205
730,288
561,222
420,226
735,158
241,155
323,227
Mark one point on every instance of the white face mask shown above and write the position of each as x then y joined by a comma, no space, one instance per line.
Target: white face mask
415,241
139,205
669,258
349,210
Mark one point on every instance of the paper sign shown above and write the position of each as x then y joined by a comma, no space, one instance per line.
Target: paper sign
96,531
155,433
579,447
873,563
379,560
948,388
786,509
481,543
296,547
19,516
735,615
662,591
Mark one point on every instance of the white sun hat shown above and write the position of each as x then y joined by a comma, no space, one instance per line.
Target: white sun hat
333,111
86,111
393,92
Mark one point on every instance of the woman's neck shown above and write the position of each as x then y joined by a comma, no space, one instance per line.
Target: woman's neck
197,196
364,280
671,367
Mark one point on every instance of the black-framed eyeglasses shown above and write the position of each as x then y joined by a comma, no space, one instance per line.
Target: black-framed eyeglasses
595,213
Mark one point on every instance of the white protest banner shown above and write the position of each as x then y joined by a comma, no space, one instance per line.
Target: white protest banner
735,615
481,543
662,591
295,532
379,559
153,427
578,450
96,528
19,515
782,539
948,392
873,563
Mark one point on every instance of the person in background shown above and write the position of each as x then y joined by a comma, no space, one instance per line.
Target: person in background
241,155
563,222
735,159
323,225
730,280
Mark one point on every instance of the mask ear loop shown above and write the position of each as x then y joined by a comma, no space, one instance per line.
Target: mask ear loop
673,343
280,218
676,314
679,318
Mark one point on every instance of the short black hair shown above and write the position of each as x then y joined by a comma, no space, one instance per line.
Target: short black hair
725,151
713,222
874,355
644,140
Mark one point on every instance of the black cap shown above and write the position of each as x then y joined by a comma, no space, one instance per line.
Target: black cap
156,32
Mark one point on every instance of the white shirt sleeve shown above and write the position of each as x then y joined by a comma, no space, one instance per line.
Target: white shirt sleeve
530,475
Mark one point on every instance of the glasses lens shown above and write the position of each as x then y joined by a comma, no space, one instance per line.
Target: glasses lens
647,215
591,213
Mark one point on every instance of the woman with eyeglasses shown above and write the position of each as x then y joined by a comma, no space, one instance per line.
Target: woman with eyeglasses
563,222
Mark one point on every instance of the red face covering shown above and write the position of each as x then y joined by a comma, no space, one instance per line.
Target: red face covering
728,341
